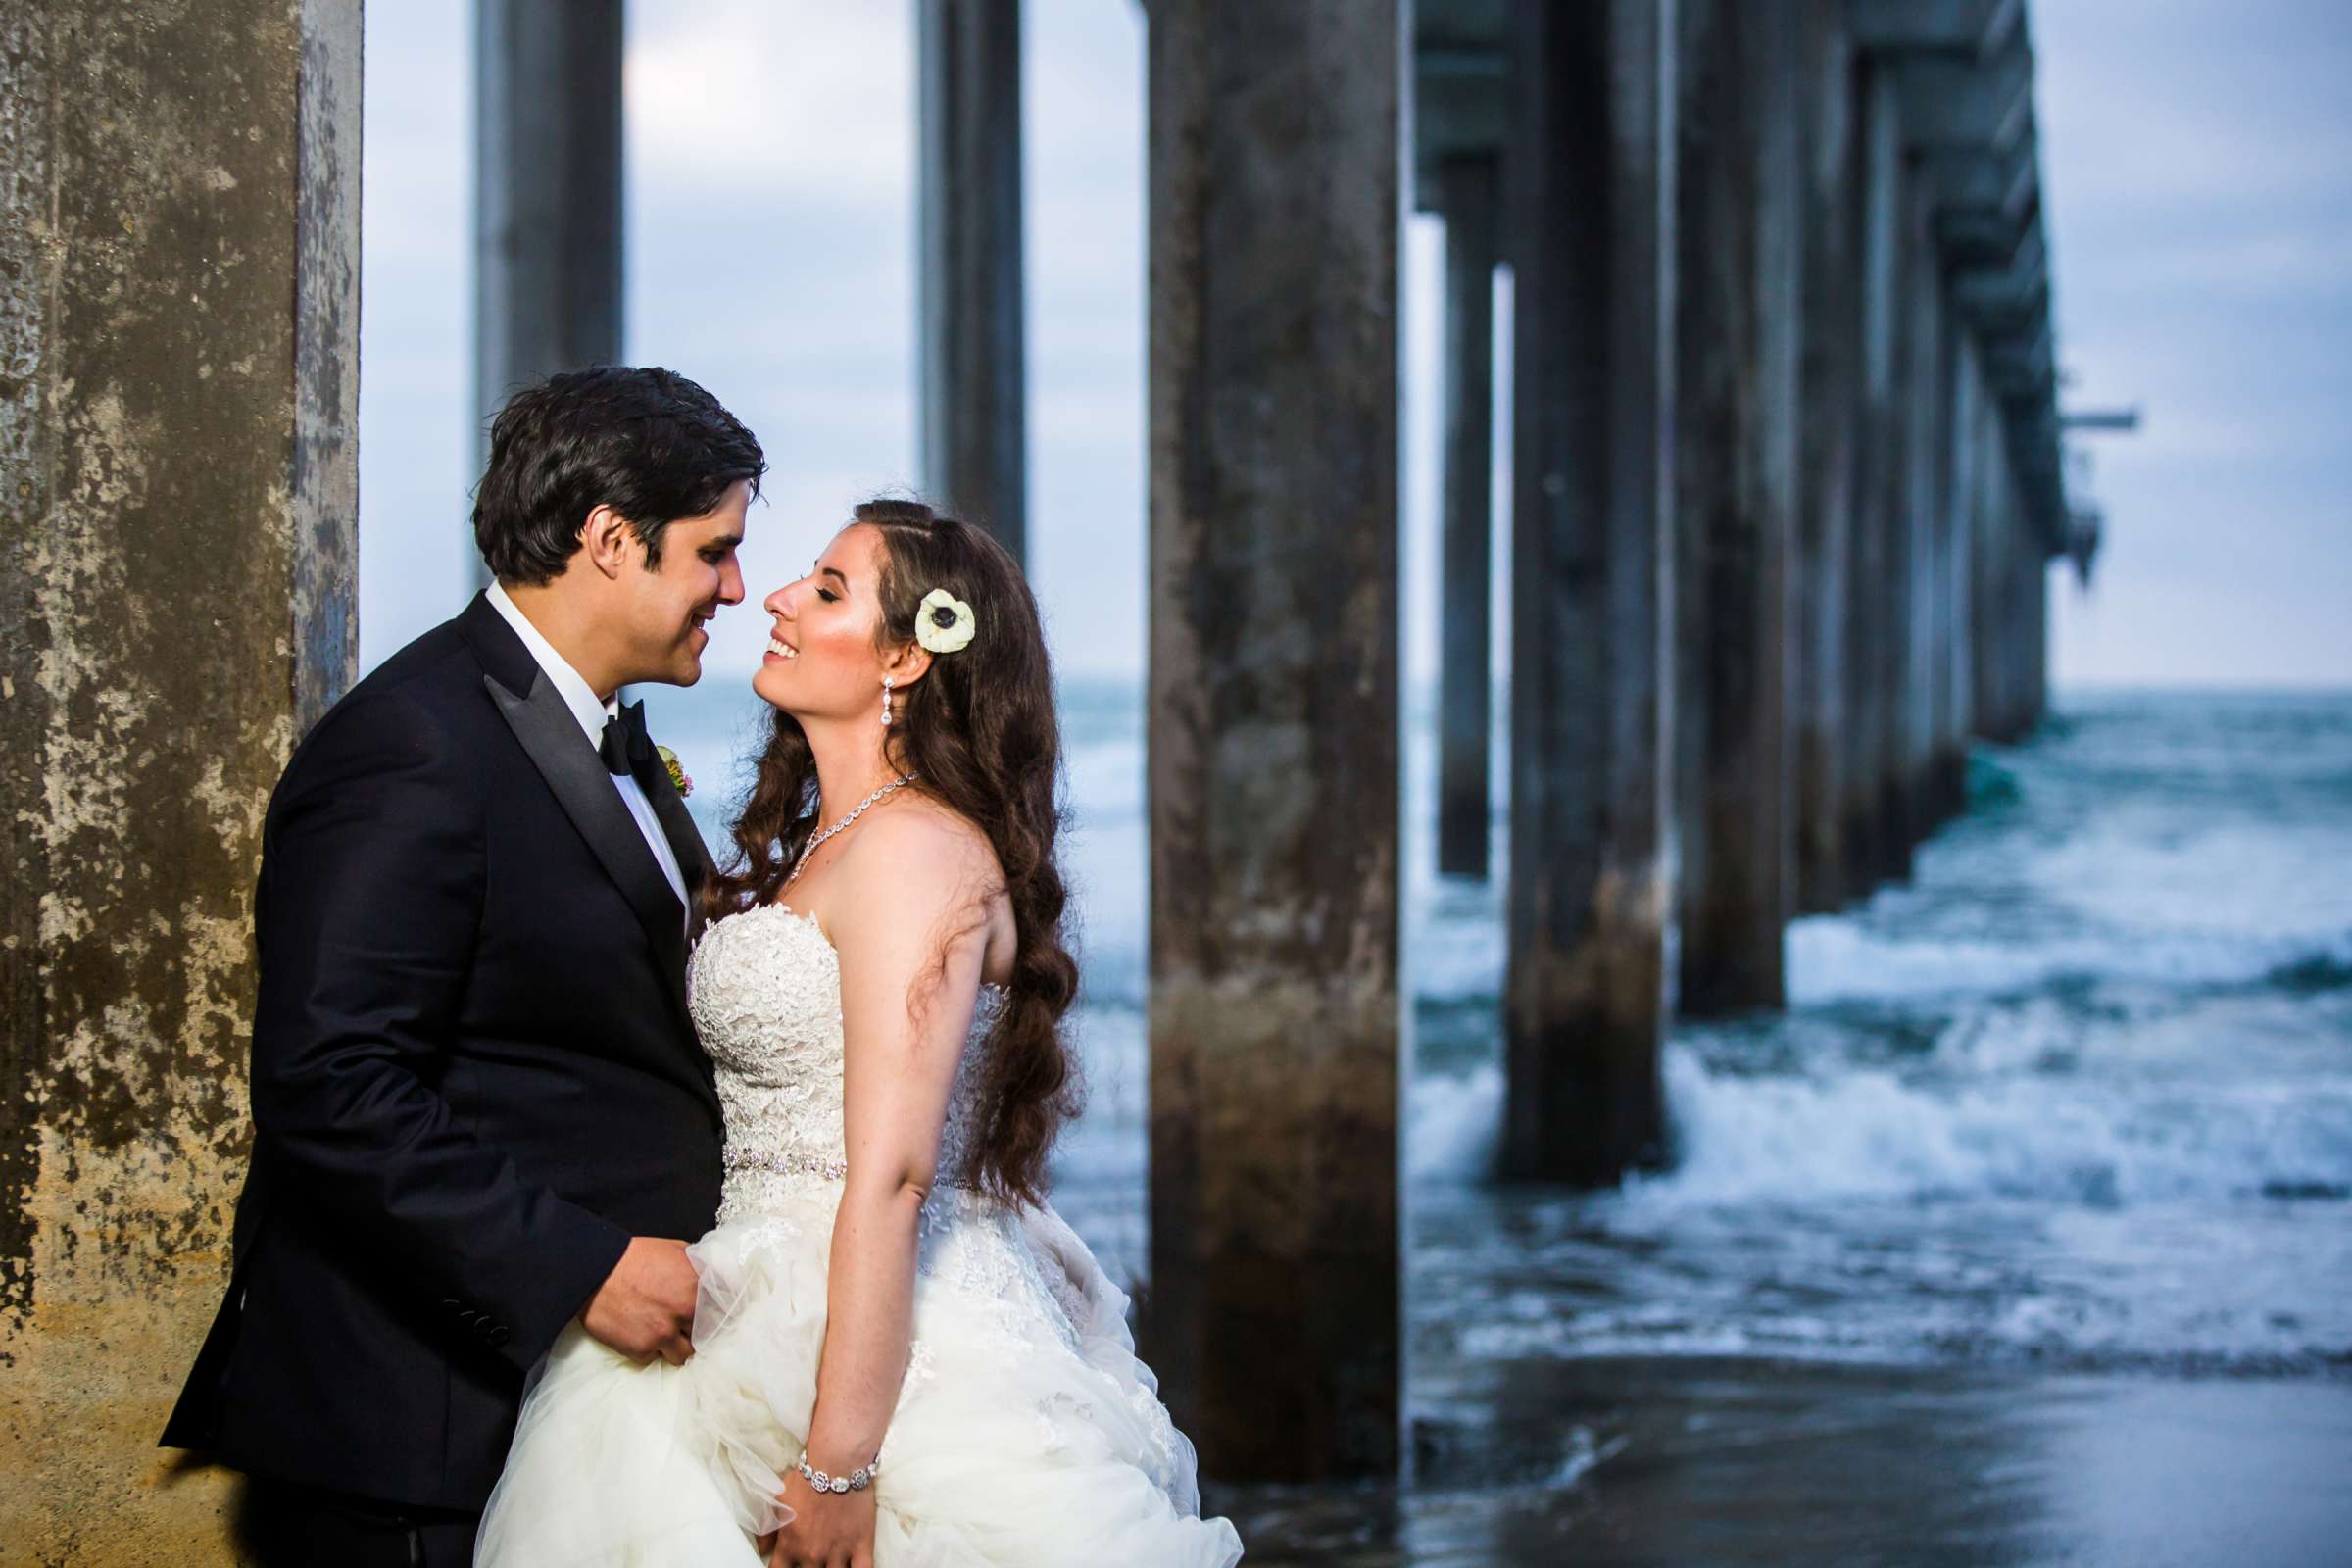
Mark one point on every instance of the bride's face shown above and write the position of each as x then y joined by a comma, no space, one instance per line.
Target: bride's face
821,660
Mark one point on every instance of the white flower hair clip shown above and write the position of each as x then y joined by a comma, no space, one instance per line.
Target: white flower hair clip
944,623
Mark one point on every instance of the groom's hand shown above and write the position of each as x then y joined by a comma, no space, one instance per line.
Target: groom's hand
646,1305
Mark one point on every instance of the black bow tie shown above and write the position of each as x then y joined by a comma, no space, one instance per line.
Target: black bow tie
626,747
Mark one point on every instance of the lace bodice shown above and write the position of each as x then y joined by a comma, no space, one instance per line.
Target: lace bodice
765,987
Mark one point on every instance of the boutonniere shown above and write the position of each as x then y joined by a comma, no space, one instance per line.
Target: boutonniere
677,773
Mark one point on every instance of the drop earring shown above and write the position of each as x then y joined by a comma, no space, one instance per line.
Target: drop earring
886,699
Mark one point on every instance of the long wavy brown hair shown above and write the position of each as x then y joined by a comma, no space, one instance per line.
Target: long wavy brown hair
981,730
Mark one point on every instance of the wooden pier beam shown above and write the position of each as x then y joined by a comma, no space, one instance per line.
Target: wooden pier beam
547,215
1591,211
975,425
1739,311
1468,198
1273,1314
180,320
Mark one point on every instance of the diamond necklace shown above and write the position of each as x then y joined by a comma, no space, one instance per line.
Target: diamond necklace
855,812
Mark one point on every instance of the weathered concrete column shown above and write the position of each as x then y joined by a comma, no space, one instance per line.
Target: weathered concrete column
1924,449
2029,610
1275,1005
547,211
974,337
179,399
2034,598
1468,197
1992,633
1876,839
1737,314
2016,570
1831,346
1591,213
1965,418
2006,613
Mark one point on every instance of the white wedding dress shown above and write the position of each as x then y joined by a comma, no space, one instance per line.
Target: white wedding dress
1026,1431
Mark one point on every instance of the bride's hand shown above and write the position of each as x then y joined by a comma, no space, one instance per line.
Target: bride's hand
831,1530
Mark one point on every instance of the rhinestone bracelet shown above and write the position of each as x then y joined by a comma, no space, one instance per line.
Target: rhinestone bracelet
856,1479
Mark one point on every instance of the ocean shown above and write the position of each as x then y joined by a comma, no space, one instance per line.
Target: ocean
2074,1103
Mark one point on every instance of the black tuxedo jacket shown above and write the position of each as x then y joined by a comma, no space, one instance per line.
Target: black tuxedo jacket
473,1075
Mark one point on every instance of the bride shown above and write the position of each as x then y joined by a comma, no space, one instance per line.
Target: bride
902,1355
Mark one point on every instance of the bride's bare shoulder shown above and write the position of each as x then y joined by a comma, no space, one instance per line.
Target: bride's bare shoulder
924,843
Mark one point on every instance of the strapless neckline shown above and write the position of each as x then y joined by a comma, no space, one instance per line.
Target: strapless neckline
812,923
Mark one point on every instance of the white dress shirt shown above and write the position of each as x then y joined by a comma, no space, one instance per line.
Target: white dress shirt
592,712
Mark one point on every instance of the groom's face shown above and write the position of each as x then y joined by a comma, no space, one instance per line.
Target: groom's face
670,603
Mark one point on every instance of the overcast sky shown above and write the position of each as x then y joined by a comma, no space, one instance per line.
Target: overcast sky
2197,159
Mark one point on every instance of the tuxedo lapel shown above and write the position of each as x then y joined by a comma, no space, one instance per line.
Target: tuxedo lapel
685,839
584,789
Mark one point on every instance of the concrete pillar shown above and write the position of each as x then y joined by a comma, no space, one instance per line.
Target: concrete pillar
1965,400
2009,568
1591,204
1737,311
1776,33
1832,343
2025,604
1874,841
1982,476
2014,567
1467,195
1275,999
1925,448
2009,604
179,418
975,423
547,210
2035,597
1993,525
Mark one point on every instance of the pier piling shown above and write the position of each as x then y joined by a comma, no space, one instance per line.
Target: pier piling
975,425
1466,193
1738,318
1275,1007
548,199
1591,213
1878,819
179,322
1830,331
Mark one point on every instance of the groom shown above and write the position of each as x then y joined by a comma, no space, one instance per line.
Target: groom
479,1109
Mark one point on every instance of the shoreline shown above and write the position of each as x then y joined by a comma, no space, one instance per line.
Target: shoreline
1673,1462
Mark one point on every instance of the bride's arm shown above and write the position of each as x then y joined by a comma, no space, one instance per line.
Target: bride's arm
912,935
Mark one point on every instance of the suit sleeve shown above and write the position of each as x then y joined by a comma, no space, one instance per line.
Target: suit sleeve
368,912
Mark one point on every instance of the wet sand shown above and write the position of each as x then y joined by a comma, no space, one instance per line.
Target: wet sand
1684,1464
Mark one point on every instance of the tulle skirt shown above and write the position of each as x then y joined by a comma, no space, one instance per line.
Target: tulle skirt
1026,1431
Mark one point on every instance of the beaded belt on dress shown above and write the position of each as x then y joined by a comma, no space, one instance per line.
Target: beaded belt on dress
801,1163
795,1164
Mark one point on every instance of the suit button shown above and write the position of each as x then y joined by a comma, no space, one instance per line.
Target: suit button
497,1334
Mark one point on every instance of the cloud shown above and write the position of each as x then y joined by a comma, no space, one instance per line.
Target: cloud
774,103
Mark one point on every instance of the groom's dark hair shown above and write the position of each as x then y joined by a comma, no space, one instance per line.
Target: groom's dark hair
646,442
